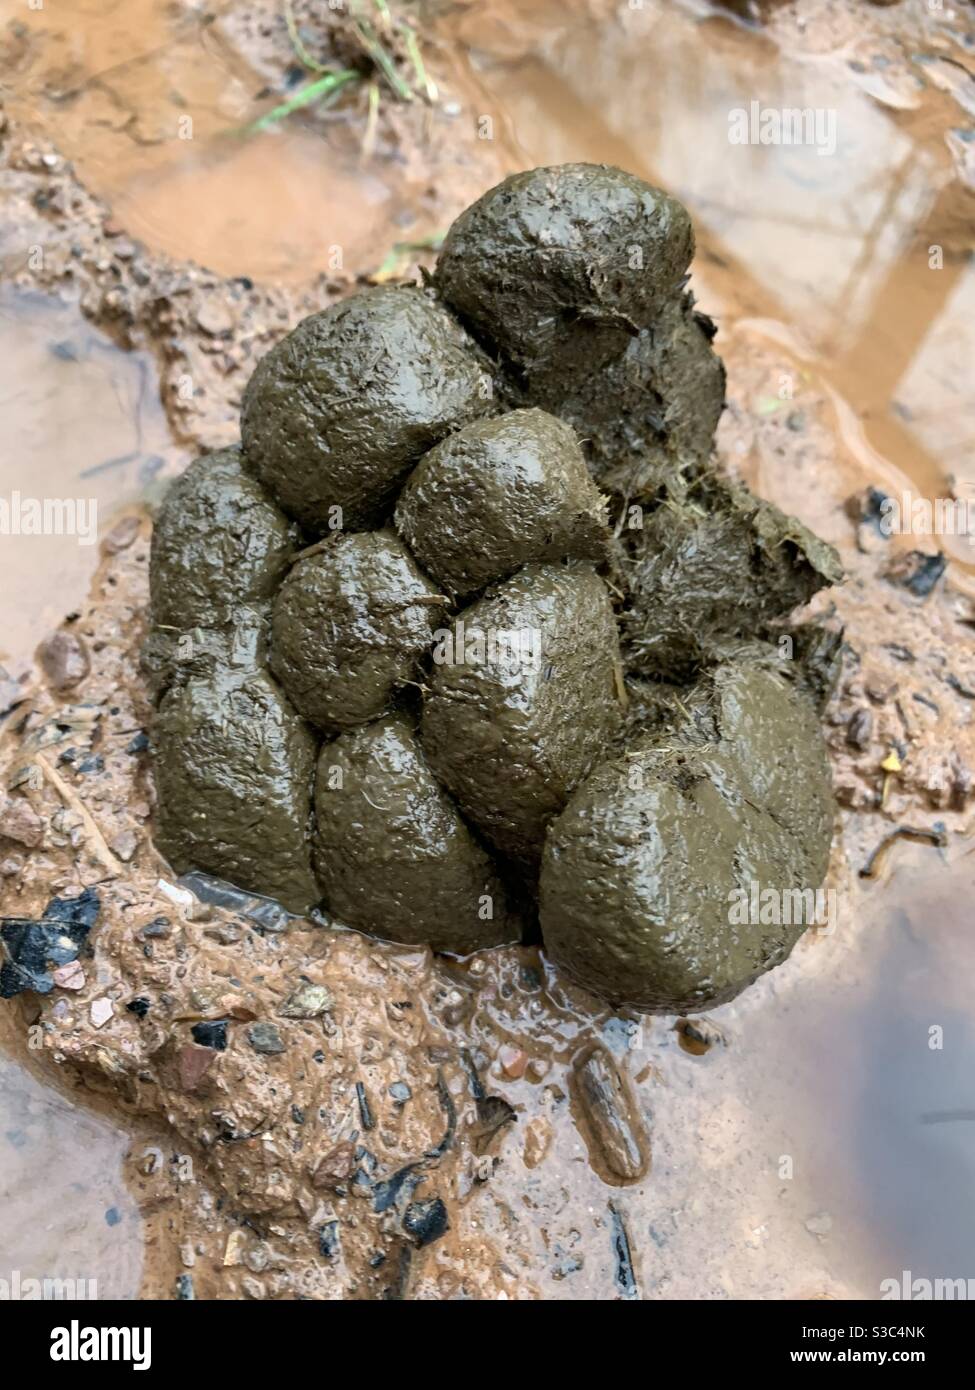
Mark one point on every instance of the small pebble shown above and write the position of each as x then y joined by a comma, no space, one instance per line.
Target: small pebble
124,532
214,318
101,1011
426,1221
328,1239
513,1062
19,821
308,1001
64,659
335,1168
265,1038
820,1224
365,1109
193,1063
859,730
233,1251
71,976
211,1033
124,845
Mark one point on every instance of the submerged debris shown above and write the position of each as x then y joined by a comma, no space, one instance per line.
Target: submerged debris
698,1035
625,1277
934,835
265,912
493,1113
618,1140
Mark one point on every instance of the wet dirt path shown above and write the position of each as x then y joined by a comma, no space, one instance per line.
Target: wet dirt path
820,1145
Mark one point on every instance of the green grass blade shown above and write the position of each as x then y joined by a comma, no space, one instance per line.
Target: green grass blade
325,86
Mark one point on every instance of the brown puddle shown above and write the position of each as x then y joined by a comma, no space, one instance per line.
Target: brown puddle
826,1140
151,103
823,1143
68,1215
83,424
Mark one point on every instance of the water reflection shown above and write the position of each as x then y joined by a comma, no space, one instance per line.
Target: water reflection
862,252
66,1211
82,422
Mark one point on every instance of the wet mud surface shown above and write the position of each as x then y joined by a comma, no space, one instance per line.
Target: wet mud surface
527,1108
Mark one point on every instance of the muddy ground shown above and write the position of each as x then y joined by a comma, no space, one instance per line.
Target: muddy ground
577,1153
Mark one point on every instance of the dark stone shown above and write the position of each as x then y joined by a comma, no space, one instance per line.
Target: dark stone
397,1189
264,1037
328,1239
426,1221
365,1109
625,1277
158,927
917,572
33,948
78,914
211,1034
